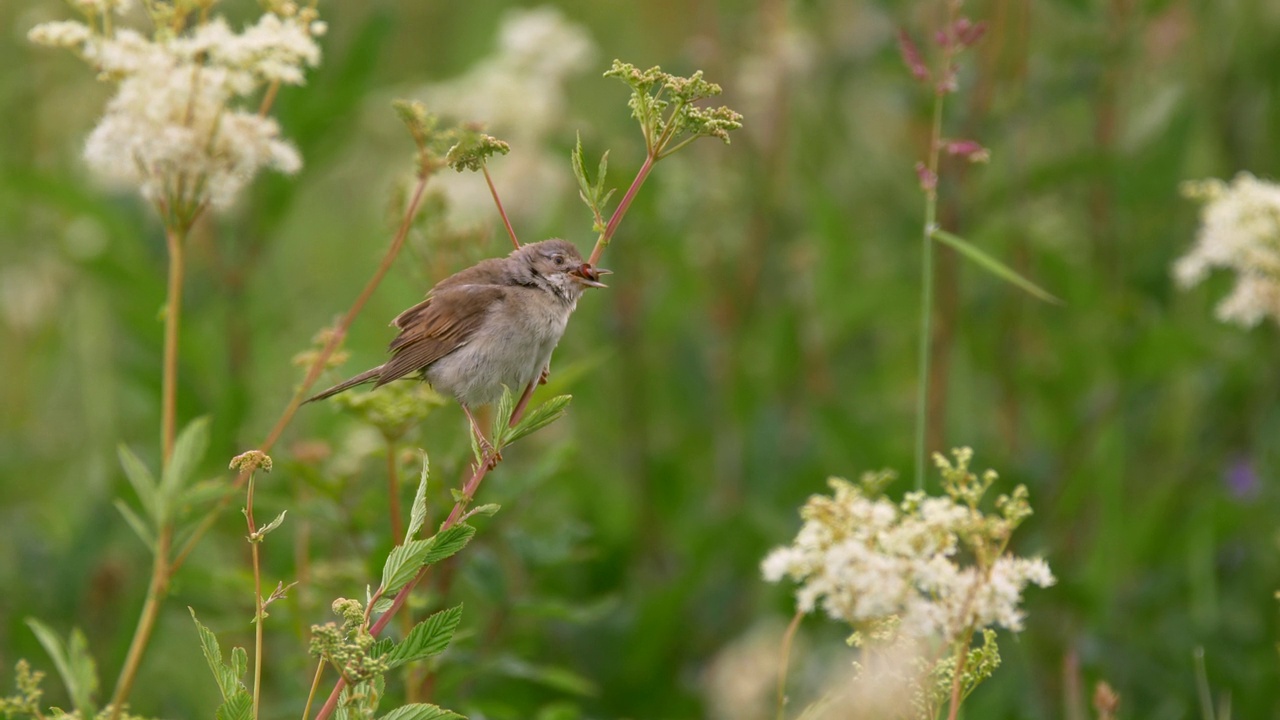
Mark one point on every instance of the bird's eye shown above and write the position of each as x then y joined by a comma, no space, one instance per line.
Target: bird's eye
558,259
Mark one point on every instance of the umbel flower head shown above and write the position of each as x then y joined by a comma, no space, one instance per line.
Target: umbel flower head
925,567
173,129
1240,231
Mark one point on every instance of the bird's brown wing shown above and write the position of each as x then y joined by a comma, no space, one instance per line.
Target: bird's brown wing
437,326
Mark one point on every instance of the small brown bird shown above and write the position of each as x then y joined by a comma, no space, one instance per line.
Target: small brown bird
493,324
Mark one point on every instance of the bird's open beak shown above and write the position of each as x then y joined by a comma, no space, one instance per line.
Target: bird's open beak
589,276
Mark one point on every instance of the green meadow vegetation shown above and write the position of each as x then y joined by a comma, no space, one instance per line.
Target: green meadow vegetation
861,252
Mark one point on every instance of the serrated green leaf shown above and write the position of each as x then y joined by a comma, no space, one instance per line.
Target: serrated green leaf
228,678
143,482
428,638
418,511
501,416
136,522
239,662
448,542
382,646
381,605
601,172
74,665
488,509
188,451
580,170
994,266
420,711
540,417
237,707
458,495
273,524
403,563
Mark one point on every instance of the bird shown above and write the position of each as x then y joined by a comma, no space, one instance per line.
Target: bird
491,325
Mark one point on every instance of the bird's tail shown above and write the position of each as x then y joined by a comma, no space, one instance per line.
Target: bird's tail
364,377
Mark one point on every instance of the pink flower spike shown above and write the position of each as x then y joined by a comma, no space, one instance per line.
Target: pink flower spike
942,39
968,32
911,56
970,150
928,178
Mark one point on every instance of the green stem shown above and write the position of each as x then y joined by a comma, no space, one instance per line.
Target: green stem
926,288
254,541
175,237
156,590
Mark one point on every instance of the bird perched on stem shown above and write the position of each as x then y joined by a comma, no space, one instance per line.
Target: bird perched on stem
494,324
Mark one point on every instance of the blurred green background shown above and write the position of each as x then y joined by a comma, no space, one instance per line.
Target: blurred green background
759,335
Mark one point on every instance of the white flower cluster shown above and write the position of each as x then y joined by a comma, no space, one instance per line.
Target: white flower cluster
866,560
1239,230
172,129
519,93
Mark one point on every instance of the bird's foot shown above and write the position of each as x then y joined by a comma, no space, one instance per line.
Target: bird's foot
545,376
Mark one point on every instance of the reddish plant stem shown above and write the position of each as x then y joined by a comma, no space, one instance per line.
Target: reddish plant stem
317,366
612,227
511,232
487,463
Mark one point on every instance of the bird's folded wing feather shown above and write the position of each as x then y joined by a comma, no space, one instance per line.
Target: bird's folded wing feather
437,326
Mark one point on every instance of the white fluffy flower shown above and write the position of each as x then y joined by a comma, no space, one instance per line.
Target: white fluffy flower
173,129
1240,231
863,559
519,93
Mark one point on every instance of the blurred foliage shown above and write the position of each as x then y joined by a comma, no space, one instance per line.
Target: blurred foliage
758,336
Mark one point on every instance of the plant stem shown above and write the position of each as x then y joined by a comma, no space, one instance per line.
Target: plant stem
315,685
926,286
161,567
790,635
962,659
603,241
505,220
175,237
393,488
487,463
317,366
257,597
160,573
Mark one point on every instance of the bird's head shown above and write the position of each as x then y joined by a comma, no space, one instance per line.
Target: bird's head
558,263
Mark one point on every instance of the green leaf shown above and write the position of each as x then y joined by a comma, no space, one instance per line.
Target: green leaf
136,523
420,711
448,542
994,266
488,510
418,511
552,676
404,561
228,678
428,638
144,483
237,707
541,416
272,525
501,417
402,564
73,663
188,451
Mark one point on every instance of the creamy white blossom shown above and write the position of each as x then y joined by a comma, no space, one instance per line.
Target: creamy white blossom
863,559
1240,231
183,126
519,93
